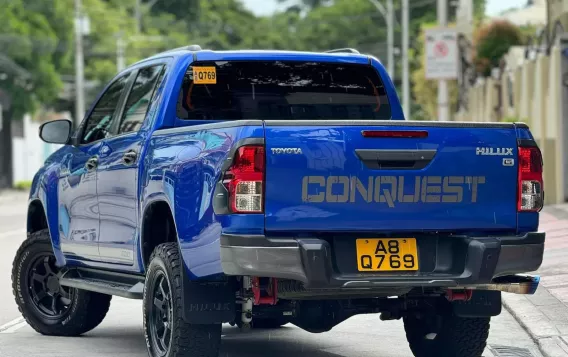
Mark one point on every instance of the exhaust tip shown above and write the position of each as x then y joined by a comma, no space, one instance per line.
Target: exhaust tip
514,284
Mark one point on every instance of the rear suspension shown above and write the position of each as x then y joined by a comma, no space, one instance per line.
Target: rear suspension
256,291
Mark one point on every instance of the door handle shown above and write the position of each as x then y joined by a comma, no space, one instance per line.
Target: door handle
92,163
129,157
396,159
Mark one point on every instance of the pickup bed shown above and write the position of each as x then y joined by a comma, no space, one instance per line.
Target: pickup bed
260,188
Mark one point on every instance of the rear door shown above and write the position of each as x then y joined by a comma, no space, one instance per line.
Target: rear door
117,173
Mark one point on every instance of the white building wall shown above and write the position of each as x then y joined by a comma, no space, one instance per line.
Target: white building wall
530,15
29,152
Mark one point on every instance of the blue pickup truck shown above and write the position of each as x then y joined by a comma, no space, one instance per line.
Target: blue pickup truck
260,188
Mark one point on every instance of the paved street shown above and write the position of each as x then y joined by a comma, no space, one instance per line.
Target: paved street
121,333
12,231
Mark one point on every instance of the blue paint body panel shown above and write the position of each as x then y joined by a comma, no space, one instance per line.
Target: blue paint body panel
95,217
330,151
183,169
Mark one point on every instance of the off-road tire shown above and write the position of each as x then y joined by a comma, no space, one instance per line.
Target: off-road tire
86,311
456,337
186,339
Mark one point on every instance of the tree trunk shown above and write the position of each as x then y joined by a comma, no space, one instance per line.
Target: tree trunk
6,150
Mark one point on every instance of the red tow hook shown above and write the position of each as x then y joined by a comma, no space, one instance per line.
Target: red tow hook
459,295
272,292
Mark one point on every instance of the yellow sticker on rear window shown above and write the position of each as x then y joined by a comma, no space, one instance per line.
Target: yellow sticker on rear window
204,75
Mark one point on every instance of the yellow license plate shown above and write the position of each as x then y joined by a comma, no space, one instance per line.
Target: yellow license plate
204,75
387,254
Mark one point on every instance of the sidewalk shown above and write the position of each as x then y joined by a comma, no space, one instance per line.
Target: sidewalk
545,314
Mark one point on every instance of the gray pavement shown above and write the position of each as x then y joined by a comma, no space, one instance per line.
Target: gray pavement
13,206
121,332
545,314
361,336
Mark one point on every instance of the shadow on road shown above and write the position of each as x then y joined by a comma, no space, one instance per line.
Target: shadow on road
275,343
113,341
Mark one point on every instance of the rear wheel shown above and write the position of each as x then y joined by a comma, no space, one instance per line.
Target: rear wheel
166,333
446,335
48,307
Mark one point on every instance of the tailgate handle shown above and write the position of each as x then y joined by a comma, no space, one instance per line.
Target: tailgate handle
395,159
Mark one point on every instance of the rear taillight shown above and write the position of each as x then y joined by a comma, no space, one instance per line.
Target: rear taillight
245,180
531,191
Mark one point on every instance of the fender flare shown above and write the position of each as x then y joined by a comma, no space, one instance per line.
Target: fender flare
158,199
203,302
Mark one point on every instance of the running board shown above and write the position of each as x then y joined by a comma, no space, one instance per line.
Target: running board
515,284
129,286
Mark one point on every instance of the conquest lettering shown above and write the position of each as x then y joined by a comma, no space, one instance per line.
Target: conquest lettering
391,190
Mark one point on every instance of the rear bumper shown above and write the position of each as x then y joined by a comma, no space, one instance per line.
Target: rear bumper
449,262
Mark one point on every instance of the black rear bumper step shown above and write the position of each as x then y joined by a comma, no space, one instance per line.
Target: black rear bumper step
447,262
129,286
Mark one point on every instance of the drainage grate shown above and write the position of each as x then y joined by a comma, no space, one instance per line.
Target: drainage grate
508,351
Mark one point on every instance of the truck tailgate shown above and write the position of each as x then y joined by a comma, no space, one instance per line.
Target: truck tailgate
398,176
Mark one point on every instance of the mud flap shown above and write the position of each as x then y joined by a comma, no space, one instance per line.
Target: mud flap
483,303
208,302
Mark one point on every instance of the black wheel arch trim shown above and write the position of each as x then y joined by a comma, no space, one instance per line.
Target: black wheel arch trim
35,202
147,206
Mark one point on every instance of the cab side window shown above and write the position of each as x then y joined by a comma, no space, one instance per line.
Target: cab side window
140,98
98,124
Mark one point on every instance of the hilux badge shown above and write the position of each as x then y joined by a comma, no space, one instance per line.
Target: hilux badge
494,151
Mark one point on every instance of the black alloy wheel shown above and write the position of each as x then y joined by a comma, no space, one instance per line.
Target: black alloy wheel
161,315
48,307
48,296
166,332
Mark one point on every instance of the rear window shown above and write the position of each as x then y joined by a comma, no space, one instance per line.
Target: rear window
272,90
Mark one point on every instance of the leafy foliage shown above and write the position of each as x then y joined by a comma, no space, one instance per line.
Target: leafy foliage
492,42
46,28
37,41
308,4
30,47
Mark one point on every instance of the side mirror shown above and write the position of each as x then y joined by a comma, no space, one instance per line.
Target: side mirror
56,131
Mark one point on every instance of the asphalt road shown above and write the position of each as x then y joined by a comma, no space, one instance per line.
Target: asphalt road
121,333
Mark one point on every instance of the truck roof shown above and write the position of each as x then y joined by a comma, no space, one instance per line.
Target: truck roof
347,53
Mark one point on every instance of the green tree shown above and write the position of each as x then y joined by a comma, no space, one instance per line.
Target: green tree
307,4
32,56
492,42
187,10
33,44
345,23
108,20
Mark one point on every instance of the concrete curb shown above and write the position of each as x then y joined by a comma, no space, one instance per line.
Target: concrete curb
538,326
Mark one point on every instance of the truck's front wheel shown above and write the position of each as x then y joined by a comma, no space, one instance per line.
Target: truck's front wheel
167,334
446,335
48,307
